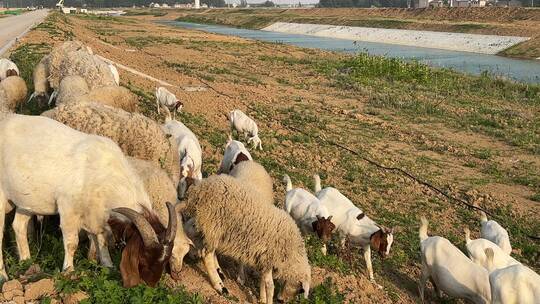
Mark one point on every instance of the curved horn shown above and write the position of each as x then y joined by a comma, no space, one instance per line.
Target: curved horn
171,228
148,234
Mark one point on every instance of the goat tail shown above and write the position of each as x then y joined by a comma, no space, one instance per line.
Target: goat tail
483,217
422,232
489,255
467,235
288,183
317,180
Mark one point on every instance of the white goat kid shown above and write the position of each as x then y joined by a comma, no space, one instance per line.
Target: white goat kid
308,212
352,223
164,98
491,230
189,151
450,270
8,68
48,168
476,250
235,152
513,284
247,126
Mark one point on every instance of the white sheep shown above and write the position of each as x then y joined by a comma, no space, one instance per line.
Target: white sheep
81,177
245,125
476,250
232,222
13,92
189,152
164,98
235,152
137,135
255,178
450,270
491,230
8,68
308,212
352,223
513,284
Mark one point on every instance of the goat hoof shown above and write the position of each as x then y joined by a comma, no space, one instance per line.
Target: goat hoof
224,291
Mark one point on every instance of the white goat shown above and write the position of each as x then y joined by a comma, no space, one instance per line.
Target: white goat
189,152
351,222
8,68
476,250
450,270
164,98
115,73
245,125
235,152
513,284
491,230
79,176
308,212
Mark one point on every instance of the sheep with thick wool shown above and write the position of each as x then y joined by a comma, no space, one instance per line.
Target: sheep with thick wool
161,189
137,135
255,178
234,223
12,93
74,89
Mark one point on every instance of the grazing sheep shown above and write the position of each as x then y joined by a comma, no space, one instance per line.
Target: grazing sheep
476,250
245,125
161,189
308,212
236,224
491,230
115,73
189,152
449,270
74,89
13,92
137,135
352,223
50,65
8,68
235,152
86,180
513,284
254,177
164,98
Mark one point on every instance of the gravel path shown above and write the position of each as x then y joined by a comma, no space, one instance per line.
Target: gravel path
485,44
16,26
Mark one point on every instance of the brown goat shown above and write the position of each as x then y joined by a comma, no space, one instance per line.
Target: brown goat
148,245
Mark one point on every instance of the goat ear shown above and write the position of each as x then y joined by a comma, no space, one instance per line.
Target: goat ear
375,239
129,264
330,217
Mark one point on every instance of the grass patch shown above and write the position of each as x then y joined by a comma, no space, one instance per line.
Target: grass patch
144,41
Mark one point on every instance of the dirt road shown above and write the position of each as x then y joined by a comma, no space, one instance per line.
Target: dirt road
13,27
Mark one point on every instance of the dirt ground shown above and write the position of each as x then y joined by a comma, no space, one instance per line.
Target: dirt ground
478,20
213,74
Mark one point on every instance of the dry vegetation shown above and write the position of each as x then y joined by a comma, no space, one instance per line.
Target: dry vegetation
475,138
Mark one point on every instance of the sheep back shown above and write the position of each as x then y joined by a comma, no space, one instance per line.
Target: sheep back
71,89
13,92
115,96
253,174
235,224
137,135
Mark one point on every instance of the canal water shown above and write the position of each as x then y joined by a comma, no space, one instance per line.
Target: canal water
515,69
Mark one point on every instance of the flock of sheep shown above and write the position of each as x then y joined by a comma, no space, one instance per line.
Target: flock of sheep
124,178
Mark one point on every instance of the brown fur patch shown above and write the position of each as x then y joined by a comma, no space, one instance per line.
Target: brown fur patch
323,228
11,72
239,158
140,264
379,242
